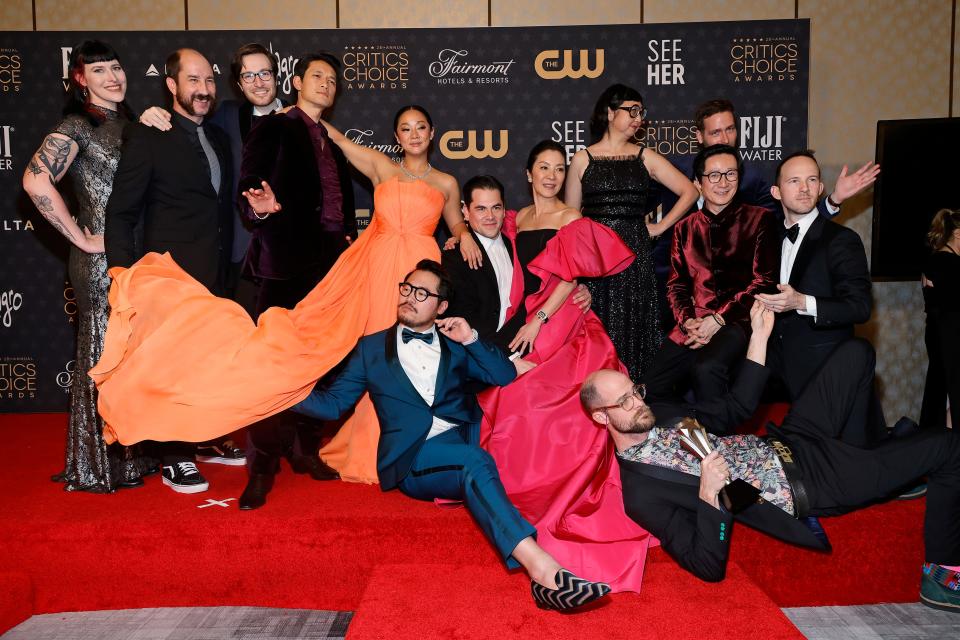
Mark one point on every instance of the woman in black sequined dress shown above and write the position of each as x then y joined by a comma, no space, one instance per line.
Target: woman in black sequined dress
86,144
609,181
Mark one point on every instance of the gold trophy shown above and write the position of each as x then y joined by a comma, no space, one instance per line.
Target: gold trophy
738,494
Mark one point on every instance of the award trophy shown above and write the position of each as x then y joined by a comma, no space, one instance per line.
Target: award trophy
738,494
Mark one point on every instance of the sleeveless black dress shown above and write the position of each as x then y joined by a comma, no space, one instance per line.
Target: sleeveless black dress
615,194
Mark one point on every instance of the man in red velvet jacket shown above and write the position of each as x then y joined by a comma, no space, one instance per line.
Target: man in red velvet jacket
722,256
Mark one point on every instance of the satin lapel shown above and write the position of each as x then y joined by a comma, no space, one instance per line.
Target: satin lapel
442,369
807,248
508,245
660,473
487,267
245,118
393,363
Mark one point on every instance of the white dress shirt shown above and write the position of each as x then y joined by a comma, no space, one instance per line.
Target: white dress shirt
503,267
268,109
788,255
421,362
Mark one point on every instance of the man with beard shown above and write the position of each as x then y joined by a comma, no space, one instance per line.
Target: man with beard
810,466
177,185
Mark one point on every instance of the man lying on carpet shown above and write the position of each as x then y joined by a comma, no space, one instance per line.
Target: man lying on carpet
805,468
415,372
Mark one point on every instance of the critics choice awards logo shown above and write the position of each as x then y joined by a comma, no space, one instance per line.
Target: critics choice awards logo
11,66
453,66
376,66
766,59
460,145
554,64
18,378
669,137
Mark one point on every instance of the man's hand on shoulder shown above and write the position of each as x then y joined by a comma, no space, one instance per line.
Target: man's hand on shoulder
457,329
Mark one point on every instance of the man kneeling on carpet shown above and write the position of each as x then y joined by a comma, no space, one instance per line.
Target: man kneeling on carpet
805,468
415,372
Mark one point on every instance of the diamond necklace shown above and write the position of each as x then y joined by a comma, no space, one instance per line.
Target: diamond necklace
413,175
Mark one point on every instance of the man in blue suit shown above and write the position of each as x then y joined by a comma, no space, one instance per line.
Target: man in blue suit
429,426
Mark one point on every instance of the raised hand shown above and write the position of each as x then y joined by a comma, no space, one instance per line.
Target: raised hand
457,329
262,201
852,184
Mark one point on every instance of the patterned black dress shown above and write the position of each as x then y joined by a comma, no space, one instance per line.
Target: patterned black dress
615,194
90,464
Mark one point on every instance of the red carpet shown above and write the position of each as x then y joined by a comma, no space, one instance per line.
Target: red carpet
324,546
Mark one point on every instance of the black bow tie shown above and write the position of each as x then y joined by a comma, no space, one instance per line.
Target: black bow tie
409,335
793,232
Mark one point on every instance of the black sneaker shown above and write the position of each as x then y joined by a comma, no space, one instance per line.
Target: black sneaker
183,477
221,453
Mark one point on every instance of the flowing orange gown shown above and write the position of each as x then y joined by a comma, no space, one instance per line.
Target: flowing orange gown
182,364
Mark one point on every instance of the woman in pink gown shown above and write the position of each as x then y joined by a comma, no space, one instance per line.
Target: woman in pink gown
557,466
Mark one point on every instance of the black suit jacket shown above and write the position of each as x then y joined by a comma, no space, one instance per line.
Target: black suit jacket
286,244
667,503
476,296
831,265
162,182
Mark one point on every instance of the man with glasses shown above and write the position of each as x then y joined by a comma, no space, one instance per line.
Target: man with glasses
810,466
295,190
416,373
722,256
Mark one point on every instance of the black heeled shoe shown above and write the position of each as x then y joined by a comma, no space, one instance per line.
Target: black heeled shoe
571,592
314,466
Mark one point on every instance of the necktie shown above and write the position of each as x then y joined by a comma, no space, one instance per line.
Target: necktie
793,232
212,161
409,335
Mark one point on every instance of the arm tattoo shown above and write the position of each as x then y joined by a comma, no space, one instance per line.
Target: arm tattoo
45,206
33,167
54,153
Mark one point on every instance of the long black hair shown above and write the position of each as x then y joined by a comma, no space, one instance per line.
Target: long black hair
614,96
76,102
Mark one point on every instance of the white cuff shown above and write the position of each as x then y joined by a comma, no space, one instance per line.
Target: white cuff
832,210
811,309
476,336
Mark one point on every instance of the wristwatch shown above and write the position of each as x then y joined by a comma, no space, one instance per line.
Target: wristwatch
542,316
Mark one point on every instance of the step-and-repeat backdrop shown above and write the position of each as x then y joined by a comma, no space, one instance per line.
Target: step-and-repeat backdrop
493,93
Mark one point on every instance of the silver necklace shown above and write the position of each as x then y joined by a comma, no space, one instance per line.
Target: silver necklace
413,175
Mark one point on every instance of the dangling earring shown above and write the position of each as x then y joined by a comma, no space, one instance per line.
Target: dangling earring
83,92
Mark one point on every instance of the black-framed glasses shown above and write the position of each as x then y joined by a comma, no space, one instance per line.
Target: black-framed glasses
637,393
249,76
714,176
635,111
419,293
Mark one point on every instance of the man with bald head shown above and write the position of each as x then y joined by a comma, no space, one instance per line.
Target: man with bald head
178,185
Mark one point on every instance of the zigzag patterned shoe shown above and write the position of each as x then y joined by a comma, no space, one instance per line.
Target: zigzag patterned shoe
571,592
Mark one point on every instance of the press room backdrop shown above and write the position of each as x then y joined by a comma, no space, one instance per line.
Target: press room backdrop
868,60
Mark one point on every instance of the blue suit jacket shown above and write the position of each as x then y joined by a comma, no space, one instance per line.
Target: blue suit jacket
405,417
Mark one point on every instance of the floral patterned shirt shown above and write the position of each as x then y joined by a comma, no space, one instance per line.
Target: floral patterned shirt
748,457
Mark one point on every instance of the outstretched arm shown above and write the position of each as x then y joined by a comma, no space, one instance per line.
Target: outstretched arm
333,401
370,162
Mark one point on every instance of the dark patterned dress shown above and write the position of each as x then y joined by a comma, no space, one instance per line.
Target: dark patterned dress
91,465
615,194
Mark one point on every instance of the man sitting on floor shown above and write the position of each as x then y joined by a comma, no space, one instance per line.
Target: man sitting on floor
805,467
415,372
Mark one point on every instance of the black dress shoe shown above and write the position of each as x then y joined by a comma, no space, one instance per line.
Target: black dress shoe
314,466
255,495
132,483
571,592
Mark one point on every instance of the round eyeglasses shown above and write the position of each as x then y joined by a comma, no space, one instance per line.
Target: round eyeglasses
629,403
419,293
714,176
635,111
250,76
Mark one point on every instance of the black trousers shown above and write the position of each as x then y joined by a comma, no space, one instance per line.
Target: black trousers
822,428
942,337
707,370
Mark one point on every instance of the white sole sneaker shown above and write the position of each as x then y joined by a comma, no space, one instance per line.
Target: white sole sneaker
186,488
232,462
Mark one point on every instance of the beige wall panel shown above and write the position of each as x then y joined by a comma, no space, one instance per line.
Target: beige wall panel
715,10
877,60
378,14
519,13
109,15
16,15
256,14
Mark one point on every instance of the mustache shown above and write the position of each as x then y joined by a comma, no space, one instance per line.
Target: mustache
201,96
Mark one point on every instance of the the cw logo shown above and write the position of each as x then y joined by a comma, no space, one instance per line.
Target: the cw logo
453,146
548,66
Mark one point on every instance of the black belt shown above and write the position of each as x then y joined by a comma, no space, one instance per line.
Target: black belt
801,501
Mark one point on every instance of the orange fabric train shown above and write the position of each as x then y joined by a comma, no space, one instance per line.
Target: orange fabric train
181,364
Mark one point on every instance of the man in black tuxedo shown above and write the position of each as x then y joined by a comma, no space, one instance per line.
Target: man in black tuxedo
824,285
295,189
805,468
178,184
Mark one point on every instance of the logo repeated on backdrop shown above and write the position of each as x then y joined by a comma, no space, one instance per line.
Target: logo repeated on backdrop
453,66
11,66
765,59
379,66
16,224
69,301
152,72
460,145
670,137
553,64
664,62
65,377
366,138
65,63
285,68
10,301
761,137
18,377
571,134
6,152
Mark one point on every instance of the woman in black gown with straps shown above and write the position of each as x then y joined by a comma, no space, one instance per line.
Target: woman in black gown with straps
609,182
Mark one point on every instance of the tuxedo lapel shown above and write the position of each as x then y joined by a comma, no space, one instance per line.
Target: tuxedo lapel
396,369
807,248
442,369
486,268
245,117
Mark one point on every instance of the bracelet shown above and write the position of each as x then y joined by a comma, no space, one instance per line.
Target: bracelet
542,316
718,319
831,202
258,216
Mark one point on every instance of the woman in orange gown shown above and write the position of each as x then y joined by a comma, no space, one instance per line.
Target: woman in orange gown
181,364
